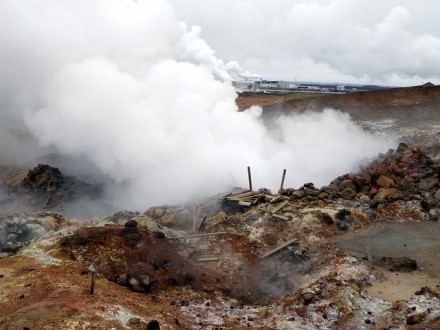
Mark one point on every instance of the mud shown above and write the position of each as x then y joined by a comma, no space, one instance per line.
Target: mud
415,240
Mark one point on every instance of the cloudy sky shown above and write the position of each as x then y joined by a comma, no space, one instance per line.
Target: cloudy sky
380,41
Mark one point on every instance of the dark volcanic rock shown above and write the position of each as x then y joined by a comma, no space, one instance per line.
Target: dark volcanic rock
45,187
43,177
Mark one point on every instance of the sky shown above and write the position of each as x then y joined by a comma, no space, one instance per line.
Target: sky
387,42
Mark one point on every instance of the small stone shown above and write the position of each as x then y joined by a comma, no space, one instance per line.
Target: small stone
437,195
134,320
426,207
21,296
415,318
308,294
340,215
367,321
327,219
365,198
374,204
131,224
153,325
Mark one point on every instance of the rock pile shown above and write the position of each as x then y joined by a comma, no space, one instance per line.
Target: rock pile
398,174
18,229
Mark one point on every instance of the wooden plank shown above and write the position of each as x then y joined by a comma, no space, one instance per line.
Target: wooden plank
276,199
282,246
279,207
198,235
244,194
208,259
232,193
280,217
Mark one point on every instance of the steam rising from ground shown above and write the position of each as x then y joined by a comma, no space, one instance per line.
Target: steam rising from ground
125,85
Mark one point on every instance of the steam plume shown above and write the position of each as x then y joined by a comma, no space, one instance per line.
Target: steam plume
124,84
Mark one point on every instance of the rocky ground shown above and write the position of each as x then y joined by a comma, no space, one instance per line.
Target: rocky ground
361,252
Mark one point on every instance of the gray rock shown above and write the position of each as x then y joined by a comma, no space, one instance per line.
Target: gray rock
437,195
34,231
12,237
12,247
135,285
428,183
348,194
307,294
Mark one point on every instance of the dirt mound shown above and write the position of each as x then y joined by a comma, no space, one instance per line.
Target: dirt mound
148,262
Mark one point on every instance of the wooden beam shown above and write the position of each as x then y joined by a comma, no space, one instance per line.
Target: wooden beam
208,259
249,178
276,199
282,182
198,235
279,207
282,246
280,217
244,203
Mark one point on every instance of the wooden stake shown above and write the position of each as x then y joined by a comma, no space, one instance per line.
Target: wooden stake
92,284
282,182
196,210
198,235
282,246
369,254
250,178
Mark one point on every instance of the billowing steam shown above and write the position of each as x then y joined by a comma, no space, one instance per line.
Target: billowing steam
125,85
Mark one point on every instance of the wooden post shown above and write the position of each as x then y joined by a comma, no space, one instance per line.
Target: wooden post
195,217
92,284
250,178
282,182
369,255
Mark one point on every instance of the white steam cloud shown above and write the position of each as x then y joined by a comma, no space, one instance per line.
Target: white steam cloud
124,84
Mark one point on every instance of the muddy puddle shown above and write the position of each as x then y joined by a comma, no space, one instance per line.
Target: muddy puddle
417,240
